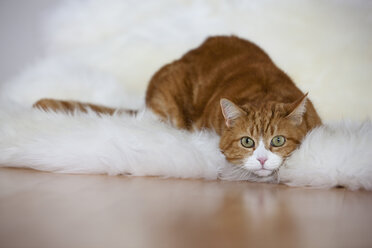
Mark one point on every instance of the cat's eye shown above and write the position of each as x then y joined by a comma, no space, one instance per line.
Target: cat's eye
247,142
278,141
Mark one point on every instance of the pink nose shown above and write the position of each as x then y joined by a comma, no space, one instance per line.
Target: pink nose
262,160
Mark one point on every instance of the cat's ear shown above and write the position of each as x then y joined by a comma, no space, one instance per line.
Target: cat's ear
230,111
297,109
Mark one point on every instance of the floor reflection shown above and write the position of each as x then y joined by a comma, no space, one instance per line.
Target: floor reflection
89,211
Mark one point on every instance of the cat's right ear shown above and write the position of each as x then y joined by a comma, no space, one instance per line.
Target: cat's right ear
230,111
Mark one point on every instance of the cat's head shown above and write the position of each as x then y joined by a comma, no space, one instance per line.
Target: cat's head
260,138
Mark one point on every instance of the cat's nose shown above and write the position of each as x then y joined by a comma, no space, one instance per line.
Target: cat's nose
262,160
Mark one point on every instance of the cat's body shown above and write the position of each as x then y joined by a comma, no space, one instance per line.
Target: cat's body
188,91
264,109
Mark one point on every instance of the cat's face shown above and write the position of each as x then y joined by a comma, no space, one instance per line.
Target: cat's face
259,139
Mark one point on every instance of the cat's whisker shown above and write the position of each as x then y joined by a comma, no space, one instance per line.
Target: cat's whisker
275,175
247,174
235,173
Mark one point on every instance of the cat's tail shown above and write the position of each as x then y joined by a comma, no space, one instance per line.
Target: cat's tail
70,107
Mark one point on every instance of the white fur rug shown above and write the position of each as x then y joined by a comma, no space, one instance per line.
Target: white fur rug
106,51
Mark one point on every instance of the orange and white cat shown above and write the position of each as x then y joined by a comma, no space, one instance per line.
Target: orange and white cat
229,85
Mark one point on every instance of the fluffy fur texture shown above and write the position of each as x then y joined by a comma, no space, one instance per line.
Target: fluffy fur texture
86,143
331,155
105,53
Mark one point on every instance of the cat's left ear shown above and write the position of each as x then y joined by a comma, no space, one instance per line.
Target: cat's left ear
297,109
230,111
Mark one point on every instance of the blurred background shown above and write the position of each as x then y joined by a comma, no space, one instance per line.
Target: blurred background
75,49
21,40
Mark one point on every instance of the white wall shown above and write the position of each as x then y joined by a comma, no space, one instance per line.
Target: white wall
20,33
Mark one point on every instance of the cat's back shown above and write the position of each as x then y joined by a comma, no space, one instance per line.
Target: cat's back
179,91
226,50
187,91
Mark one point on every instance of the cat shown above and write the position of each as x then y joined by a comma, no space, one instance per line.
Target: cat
231,86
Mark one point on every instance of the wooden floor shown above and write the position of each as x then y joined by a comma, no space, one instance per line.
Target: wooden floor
54,210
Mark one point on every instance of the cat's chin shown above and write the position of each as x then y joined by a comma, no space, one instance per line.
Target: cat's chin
263,173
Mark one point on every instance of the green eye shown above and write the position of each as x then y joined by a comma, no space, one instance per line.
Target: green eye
247,142
278,141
